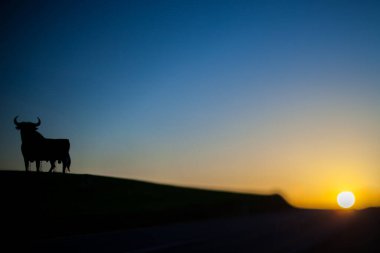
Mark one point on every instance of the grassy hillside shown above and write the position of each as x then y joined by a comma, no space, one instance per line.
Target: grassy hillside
49,204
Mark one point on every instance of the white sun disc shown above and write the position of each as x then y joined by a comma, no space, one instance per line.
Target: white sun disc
346,199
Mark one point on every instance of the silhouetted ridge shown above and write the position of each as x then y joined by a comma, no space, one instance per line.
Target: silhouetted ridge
48,204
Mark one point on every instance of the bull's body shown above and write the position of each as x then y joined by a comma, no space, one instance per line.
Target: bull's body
37,148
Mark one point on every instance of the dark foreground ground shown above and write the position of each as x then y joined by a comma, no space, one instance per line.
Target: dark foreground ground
294,231
81,213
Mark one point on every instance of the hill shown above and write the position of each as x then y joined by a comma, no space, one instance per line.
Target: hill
42,205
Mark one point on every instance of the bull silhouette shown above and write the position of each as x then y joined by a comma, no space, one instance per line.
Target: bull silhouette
37,148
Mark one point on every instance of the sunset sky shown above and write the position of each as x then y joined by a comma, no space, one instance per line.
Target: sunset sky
252,96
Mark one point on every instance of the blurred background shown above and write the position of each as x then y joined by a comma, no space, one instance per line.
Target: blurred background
250,96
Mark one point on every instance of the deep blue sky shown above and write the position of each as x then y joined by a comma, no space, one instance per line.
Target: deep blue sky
206,93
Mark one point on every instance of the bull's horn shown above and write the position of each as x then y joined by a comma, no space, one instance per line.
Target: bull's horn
39,122
15,121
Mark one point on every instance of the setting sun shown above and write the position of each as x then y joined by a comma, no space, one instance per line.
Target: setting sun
346,199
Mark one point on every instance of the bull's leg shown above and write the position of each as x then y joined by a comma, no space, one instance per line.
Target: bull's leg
38,163
52,165
26,162
66,164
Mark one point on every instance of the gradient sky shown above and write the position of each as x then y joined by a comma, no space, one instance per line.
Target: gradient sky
254,96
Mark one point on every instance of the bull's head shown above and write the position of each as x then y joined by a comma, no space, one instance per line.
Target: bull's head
26,125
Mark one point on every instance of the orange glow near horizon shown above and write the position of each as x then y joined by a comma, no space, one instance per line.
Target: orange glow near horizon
306,167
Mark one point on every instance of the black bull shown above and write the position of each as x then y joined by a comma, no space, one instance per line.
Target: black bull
37,148
49,150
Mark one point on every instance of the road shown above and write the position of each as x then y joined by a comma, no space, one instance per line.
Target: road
293,231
